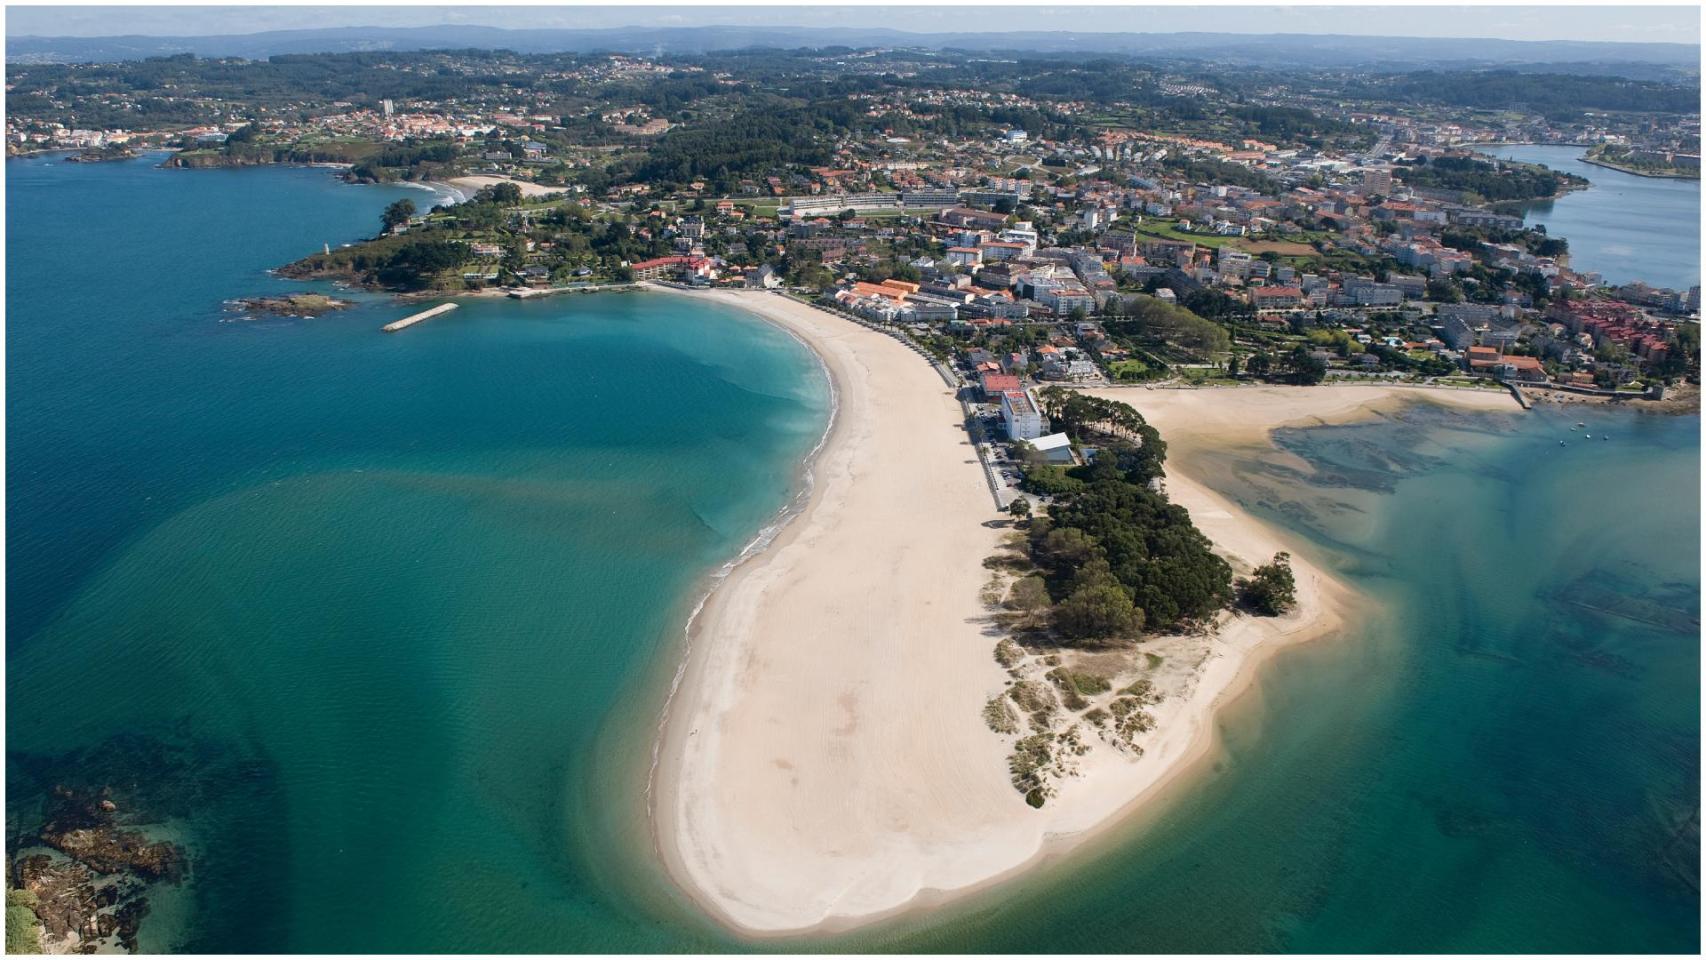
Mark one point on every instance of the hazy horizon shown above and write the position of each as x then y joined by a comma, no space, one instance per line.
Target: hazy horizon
1625,24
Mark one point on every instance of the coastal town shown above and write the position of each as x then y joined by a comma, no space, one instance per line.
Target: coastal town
1040,237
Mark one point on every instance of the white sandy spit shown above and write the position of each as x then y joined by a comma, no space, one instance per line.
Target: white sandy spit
825,761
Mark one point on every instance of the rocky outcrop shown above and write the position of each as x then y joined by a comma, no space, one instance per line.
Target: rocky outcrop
294,305
91,888
84,827
80,908
87,859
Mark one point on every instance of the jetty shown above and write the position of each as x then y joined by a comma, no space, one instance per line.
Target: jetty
528,293
415,318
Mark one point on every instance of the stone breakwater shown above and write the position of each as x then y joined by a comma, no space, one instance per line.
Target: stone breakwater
415,318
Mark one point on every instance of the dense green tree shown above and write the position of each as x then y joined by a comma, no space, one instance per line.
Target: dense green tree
502,194
397,214
1271,589
1488,179
1306,368
1028,595
1152,320
415,265
1099,611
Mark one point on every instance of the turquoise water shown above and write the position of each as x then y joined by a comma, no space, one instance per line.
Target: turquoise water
1503,756
384,594
1623,227
399,609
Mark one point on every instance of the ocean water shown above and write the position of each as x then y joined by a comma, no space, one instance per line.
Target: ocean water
1623,227
375,617
1502,755
382,622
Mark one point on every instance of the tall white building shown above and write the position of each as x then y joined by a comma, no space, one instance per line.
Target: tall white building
1020,414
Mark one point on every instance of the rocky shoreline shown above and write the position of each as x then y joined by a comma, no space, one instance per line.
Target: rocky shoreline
95,834
89,873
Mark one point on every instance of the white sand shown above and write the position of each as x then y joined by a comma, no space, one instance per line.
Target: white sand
825,761
1225,415
471,184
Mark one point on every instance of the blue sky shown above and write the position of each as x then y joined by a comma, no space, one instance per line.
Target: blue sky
1624,23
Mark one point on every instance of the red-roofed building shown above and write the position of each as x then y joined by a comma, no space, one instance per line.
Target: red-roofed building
863,289
995,384
1276,298
672,268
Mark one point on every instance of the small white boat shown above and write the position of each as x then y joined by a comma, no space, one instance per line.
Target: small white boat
1580,423
1562,444
1588,435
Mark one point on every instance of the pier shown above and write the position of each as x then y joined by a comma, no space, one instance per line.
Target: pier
415,318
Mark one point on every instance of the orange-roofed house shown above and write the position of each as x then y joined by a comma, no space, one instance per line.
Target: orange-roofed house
863,289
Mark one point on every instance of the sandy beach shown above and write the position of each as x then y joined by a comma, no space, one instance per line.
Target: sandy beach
470,184
824,761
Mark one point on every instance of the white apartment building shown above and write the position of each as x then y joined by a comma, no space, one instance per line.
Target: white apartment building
1019,412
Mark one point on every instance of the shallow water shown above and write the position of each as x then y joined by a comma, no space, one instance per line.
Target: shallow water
396,613
385,591
1503,754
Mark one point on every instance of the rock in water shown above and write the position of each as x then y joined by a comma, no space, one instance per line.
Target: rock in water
85,828
295,305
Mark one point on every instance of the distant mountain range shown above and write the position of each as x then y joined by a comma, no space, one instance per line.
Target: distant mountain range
1270,50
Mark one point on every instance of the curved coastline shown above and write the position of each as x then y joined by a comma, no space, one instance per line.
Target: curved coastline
724,790
766,536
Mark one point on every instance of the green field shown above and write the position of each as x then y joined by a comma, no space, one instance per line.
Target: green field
1128,369
1163,230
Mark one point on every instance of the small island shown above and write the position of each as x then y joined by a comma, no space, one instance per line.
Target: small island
105,153
290,305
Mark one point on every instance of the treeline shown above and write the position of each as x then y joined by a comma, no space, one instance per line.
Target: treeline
432,255
1205,170
364,78
412,160
1487,179
1555,95
1535,241
1114,557
752,143
1295,124
1151,321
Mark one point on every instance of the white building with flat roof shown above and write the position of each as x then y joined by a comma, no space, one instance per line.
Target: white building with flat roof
1055,448
1020,414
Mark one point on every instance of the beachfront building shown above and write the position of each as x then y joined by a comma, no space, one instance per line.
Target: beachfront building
995,384
1020,414
1055,448
683,269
